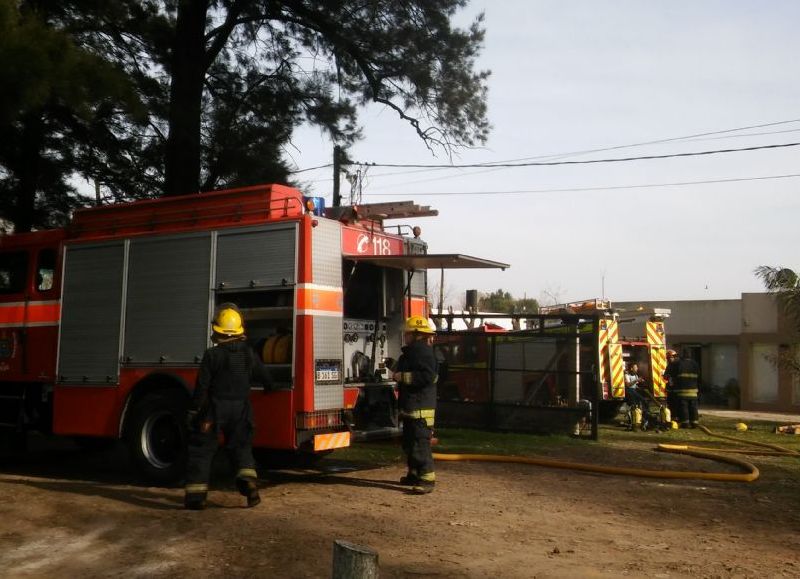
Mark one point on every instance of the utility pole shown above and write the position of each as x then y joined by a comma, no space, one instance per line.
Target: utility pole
337,168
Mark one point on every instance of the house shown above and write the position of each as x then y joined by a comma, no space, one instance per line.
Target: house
736,343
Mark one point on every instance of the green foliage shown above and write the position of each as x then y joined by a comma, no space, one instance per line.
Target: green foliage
784,284
56,96
503,302
149,96
318,61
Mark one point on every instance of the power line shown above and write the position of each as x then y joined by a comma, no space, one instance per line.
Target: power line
296,171
695,136
671,139
607,188
587,162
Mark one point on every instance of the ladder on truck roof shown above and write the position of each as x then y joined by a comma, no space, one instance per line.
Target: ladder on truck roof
591,306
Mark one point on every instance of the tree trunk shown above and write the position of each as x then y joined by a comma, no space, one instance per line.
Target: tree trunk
353,561
182,163
30,155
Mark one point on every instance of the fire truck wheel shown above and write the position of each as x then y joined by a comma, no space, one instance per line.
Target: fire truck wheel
156,436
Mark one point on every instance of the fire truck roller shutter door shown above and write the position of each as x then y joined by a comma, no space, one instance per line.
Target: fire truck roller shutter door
257,257
91,313
168,280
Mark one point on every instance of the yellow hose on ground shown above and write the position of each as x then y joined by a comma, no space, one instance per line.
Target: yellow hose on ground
775,449
696,451
749,476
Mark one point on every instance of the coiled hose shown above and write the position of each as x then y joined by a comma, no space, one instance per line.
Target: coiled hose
751,471
750,475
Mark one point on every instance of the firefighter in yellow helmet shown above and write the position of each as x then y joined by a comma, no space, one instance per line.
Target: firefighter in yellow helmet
416,375
221,405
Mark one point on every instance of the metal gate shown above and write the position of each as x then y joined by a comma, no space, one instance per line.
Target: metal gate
542,379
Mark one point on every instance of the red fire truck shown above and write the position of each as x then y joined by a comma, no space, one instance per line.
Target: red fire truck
103,323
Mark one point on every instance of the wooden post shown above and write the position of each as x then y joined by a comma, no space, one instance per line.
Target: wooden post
354,561
337,168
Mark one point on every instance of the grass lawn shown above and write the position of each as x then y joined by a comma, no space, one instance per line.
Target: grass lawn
612,438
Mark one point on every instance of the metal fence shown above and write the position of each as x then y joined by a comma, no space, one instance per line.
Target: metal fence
542,379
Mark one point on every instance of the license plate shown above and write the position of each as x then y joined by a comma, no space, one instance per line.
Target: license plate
327,374
327,371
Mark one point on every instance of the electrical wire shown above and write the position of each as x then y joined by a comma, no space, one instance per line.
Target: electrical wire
296,171
695,137
606,188
586,162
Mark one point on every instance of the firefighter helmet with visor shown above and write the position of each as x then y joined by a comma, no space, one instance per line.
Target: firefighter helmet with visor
419,324
228,321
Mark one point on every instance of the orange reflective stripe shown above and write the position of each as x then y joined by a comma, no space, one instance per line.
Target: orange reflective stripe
34,314
331,441
319,300
418,307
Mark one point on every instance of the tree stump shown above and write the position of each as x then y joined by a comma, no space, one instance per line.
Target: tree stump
354,561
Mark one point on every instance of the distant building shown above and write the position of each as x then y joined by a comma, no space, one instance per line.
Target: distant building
735,342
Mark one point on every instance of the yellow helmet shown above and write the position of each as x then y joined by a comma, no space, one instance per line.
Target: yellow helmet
419,324
228,322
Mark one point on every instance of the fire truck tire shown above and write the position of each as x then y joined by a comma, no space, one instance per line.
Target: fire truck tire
156,436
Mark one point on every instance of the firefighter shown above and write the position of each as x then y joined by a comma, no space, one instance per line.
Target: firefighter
416,374
634,397
683,375
221,405
672,403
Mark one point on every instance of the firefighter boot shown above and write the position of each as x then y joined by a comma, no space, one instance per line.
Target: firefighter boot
249,489
423,487
195,501
425,484
409,479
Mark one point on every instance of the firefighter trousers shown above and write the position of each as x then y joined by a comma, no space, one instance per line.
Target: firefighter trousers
687,410
234,420
417,446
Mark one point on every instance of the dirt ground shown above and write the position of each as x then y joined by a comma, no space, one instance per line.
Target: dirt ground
64,513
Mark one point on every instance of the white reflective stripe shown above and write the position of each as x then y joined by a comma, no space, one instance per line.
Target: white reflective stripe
319,313
316,286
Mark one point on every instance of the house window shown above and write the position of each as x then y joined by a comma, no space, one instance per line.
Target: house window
764,373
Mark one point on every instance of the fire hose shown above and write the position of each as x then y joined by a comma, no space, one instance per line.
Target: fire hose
751,471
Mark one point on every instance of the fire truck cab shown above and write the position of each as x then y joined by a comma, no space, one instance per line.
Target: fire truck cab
103,323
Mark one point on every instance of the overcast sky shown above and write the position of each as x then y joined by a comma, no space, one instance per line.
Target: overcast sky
568,76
